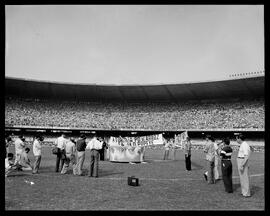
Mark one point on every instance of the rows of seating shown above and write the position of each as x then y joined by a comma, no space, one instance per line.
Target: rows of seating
246,114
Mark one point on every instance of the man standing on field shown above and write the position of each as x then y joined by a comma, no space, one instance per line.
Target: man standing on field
70,157
60,143
37,153
80,145
243,166
19,147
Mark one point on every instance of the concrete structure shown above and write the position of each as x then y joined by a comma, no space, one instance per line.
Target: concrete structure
232,88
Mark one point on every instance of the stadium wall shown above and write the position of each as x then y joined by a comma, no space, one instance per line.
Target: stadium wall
193,133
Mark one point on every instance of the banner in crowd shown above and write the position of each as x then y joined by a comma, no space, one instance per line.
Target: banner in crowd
131,149
180,138
136,141
126,153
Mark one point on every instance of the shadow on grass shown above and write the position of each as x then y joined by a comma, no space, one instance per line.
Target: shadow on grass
197,166
254,190
19,174
236,186
108,173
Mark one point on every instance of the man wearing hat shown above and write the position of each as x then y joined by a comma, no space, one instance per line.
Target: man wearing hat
243,166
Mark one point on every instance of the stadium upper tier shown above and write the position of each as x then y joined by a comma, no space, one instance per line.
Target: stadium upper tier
233,114
244,87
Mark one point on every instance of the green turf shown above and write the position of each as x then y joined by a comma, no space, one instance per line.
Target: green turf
164,185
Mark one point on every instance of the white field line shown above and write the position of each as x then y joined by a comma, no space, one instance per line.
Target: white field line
176,179
147,179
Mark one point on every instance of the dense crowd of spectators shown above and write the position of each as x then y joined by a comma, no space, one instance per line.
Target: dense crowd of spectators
155,116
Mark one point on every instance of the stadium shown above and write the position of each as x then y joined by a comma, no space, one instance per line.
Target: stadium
49,108
132,107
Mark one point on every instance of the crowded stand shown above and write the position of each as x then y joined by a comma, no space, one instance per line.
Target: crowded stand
246,114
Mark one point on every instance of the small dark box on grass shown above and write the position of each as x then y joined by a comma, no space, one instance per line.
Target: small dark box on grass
132,181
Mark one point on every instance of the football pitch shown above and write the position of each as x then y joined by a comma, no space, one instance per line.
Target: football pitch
163,185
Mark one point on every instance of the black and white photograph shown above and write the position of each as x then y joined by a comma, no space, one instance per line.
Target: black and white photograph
134,107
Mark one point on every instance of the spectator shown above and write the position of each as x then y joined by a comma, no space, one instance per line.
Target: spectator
25,161
80,145
70,156
10,166
102,151
188,154
37,153
210,157
19,147
243,166
94,145
226,165
8,141
155,116
60,143
167,149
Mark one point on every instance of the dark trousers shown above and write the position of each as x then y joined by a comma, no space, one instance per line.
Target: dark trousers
188,161
101,152
166,155
59,160
211,177
226,169
94,157
36,164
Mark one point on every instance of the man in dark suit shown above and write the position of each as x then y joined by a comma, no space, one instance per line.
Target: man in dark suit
104,146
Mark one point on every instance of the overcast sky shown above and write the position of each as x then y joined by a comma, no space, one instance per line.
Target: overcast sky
121,44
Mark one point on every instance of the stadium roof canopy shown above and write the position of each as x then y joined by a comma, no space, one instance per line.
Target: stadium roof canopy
233,88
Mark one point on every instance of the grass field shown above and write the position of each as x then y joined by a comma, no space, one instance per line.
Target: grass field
164,185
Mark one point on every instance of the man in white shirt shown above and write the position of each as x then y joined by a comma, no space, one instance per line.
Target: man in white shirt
242,162
19,148
60,143
8,143
209,149
9,164
94,145
216,168
70,156
167,149
37,153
